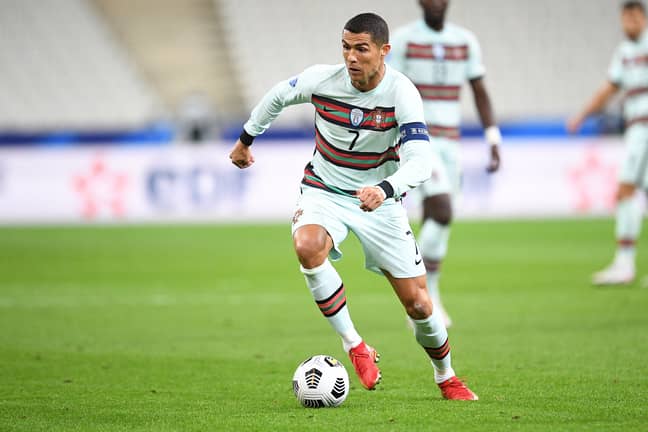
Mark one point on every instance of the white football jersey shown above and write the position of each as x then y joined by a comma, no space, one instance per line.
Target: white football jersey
629,71
438,63
360,137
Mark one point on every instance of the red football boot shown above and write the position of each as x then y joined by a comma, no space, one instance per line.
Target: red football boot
454,389
364,359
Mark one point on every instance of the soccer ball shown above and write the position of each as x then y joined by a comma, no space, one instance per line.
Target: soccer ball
321,381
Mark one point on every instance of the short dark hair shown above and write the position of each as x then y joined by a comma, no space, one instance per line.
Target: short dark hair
634,4
369,23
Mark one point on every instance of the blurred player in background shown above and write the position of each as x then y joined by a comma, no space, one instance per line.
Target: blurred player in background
439,58
371,146
628,72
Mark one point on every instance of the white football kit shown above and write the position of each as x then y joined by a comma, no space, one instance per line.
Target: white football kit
629,71
361,139
439,63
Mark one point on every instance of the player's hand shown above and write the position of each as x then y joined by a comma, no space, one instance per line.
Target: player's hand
371,197
574,124
495,160
241,156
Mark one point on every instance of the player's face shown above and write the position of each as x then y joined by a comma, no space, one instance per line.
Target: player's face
434,10
364,59
633,21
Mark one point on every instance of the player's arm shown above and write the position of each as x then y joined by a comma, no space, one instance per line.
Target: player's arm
241,155
415,152
603,95
290,92
487,117
475,72
416,167
595,105
260,120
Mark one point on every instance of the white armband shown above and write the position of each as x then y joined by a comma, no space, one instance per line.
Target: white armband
493,136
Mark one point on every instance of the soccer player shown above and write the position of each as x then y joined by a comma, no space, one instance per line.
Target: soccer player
628,72
439,57
371,146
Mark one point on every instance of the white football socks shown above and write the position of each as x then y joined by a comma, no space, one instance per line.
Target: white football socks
328,291
433,240
432,335
629,216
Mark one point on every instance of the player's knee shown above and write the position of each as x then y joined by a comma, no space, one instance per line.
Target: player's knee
419,308
439,209
443,216
311,252
625,191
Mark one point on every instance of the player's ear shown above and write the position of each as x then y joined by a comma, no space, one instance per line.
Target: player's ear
384,50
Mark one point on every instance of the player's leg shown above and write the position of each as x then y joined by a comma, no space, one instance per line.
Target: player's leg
391,249
629,212
430,333
437,200
314,230
433,239
312,244
629,215
627,227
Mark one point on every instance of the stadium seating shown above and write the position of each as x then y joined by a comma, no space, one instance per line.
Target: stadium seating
535,53
62,68
70,64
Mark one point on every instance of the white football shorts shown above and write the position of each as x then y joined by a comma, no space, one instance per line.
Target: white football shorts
634,168
445,179
385,234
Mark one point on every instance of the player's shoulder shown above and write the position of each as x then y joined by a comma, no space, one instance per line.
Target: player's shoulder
399,81
406,30
463,34
316,74
323,71
643,40
627,46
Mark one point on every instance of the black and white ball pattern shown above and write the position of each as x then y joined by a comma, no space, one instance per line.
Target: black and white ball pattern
321,381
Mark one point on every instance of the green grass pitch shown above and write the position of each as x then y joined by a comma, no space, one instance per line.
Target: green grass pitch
199,328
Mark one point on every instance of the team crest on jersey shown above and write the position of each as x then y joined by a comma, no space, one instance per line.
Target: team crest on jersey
356,115
378,117
439,51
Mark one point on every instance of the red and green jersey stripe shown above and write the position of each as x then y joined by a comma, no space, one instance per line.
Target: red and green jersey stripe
439,92
441,52
353,159
444,132
636,91
313,180
376,119
634,61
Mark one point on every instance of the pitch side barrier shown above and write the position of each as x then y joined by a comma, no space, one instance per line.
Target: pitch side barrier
121,184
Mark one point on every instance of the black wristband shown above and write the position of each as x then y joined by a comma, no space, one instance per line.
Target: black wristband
246,138
385,186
